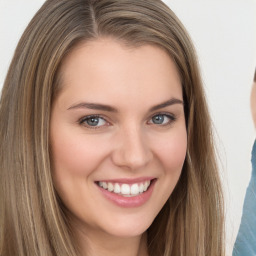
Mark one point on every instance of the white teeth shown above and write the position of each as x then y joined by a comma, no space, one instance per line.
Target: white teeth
145,186
117,188
126,190
135,189
110,187
105,185
141,188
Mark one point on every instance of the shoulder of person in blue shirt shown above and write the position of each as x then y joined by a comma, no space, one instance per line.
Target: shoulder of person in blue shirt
245,244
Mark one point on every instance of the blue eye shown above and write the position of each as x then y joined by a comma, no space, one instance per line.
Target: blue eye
93,121
162,119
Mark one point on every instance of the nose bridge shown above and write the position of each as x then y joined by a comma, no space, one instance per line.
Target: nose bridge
133,150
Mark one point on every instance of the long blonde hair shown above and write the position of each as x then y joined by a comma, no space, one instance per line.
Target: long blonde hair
32,221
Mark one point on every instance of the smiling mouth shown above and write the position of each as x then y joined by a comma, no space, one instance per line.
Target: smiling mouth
126,190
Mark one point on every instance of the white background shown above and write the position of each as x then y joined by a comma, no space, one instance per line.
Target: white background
224,33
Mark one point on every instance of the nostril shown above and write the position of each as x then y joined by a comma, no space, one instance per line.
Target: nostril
132,152
132,160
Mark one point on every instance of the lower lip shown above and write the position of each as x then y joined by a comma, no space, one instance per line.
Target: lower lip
129,202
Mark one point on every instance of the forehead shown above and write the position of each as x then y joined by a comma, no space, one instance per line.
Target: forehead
106,68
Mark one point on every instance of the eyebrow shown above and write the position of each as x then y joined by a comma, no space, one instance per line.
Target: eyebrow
108,108
93,106
166,104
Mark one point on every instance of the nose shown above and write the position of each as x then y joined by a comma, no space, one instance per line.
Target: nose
132,151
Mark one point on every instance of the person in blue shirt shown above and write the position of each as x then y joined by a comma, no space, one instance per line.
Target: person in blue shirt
245,244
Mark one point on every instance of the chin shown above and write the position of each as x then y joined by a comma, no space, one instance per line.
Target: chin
128,228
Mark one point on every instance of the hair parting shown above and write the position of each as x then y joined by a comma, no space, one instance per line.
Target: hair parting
33,220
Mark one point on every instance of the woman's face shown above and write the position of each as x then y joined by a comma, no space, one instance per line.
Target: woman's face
118,136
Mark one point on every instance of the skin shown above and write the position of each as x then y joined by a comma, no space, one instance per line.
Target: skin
253,103
125,144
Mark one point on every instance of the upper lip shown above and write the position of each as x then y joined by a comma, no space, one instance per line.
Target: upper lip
127,180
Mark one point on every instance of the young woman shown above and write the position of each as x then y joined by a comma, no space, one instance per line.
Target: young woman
106,141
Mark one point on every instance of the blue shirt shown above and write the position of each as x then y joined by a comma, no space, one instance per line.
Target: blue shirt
245,244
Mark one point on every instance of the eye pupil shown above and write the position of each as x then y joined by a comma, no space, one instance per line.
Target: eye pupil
93,121
159,119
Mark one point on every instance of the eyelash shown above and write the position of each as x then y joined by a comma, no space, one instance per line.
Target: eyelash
172,118
83,120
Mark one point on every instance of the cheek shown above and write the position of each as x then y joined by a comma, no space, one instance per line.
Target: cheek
175,154
171,152
77,155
